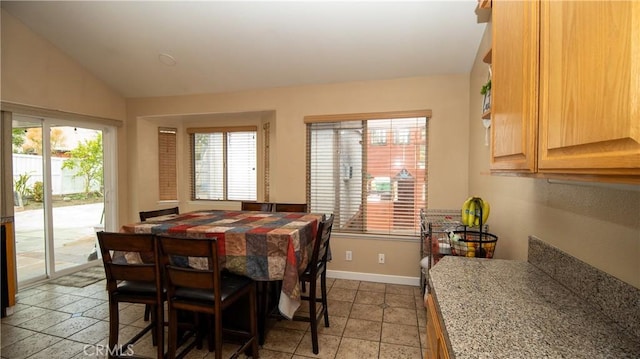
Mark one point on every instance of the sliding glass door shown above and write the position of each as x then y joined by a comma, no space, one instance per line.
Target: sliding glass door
59,173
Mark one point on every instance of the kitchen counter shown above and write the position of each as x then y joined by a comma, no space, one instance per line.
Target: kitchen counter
493,308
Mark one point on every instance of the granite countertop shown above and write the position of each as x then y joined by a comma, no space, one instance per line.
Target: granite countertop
493,308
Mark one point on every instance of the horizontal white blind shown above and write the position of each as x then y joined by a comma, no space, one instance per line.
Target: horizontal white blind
370,173
223,164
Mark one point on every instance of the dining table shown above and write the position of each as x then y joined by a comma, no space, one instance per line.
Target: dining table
264,246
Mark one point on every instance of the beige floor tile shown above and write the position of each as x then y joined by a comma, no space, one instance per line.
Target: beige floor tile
357,348
283,340
400,300
339,308
81,305
11,334
372,287
59,301
365,297
366,311
57,288
400,334
346,284
343,294
70,326
336,325
45,321
93,334
363,329
422,331
98,312
400,316
394,351
29,346
270,354
400,289
327,346
131,314
422,317
25,315
62,349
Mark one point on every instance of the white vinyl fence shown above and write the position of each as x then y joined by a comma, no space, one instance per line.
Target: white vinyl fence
62,180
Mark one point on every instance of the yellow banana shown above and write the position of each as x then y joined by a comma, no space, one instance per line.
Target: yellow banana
465,211
478,213
485,211
472,213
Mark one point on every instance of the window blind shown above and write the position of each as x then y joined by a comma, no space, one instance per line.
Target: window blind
371,173
167,173
223,163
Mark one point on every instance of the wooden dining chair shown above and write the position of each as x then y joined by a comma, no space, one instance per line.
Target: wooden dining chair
257,206
317,269
290,207
144,215
130,281
205,290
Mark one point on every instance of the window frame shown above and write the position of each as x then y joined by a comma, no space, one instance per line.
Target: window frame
416,139
224,131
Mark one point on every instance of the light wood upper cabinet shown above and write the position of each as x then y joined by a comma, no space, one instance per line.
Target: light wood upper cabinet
566,88
514,83
590,87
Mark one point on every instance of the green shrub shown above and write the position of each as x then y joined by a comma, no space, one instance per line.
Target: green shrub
38,191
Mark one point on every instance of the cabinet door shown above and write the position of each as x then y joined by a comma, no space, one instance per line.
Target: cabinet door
590,87
514,85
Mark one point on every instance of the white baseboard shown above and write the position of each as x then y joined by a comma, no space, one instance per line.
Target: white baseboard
372,277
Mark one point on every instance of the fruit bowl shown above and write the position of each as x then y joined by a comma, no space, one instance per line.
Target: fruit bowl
472,244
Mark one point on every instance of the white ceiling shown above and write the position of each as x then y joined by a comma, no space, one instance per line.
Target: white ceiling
222,46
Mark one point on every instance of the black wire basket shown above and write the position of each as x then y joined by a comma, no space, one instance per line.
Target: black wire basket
472,244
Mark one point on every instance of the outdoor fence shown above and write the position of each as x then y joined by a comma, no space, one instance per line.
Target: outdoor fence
63,181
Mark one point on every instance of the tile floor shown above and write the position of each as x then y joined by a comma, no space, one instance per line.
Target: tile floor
368,320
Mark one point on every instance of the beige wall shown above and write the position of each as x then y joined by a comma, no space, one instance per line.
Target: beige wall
597,224
37,74
446,96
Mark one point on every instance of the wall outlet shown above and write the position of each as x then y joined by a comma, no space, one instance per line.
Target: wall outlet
381,258
348,256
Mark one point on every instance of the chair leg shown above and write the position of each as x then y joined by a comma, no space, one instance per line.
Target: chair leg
313,317
159,329
173,334
253,323
218,333
113,325
323,288
147,312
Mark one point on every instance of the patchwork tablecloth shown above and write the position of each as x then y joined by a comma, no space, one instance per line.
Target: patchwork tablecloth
263,246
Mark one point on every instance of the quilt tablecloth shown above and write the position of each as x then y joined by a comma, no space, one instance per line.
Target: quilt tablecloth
264,246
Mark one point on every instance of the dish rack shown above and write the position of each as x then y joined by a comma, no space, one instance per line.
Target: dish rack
435,226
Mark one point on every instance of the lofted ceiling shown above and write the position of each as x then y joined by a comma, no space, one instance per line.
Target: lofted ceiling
225,46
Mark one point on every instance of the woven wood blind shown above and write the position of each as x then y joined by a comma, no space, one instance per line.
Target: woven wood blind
167,156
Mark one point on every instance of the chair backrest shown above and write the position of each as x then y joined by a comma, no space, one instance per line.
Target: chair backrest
321,245
257,206
144,215
290,207
131,245
177,276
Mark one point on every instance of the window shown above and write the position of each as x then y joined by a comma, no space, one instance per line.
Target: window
368,187
167,173
223,163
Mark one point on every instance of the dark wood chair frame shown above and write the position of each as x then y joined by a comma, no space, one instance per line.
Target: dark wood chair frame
257,206
290,207
144,215
204,291
132,283
317,269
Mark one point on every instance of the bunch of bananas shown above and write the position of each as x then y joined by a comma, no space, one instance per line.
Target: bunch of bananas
475,210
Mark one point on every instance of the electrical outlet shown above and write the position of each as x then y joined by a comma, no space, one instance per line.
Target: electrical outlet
381,258
348,256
